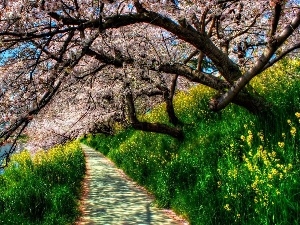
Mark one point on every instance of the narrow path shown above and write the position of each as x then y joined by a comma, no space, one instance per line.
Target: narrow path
111,198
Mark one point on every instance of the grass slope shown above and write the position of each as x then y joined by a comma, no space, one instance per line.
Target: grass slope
43,189
232,167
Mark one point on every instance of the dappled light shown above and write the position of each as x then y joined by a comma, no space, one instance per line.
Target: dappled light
112,198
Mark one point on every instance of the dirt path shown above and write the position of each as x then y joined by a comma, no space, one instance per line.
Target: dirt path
111,198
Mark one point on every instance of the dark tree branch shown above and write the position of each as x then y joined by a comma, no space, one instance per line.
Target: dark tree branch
101,7
65,45
195,76
145,126
200,60
66,20
107,59
276,17
187,33
281,56
243,31
225,1
149,93
169,101
225,99
201,41
99,68
194,53
202,21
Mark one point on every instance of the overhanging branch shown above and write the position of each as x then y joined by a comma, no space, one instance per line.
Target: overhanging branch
225,99
145,126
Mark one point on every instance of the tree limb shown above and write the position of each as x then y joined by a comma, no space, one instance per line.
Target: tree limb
145,126
226,98
281,55
276,17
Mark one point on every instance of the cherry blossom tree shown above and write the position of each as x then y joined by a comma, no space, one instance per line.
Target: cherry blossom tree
68,65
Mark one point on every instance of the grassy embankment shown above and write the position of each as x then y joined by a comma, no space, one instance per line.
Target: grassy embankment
232,167
43,189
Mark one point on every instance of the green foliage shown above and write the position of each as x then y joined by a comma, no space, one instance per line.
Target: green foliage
232,167
44,188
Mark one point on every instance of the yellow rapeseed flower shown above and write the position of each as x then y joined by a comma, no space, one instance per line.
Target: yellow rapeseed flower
281,144
249,137
261,136
227,207
243,138
293,131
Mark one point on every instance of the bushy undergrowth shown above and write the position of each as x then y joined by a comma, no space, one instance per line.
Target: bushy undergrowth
43,189
232,167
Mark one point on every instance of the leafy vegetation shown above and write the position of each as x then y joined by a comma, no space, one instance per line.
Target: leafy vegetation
232,167
43,189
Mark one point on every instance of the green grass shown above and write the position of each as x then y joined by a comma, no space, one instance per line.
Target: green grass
232,167
43,189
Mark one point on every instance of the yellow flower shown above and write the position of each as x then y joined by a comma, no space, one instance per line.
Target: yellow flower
289,122
261,136
243,138
227,207
249,137
297,114
281,144
280,176
233,173
293,131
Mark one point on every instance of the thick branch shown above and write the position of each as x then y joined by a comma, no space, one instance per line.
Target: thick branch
225,99
276,17
107,59
195,76
170,107
145,126
66,20
201,41
281,56
187,33
159,128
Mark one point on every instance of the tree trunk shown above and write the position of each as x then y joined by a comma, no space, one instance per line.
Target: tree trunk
158,128
249,99
145,126
253,102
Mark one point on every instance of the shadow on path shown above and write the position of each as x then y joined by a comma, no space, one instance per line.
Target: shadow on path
113,199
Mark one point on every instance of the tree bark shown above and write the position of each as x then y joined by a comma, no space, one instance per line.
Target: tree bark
145,126
158,128
253,102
